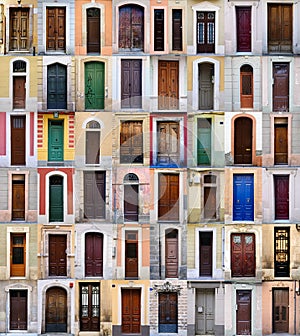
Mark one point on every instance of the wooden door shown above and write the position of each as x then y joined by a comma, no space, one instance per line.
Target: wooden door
18,310
131,202
56,29
168,141
168,203
168,313
243,312
203,141
168,85
93,44
131,83
243,140
243,25
19,31
171,254
205,253
280,310
177,29
243,197
206,86
205,32
19,92
131,142
18,140
205,311
280,27
281,252
56,310
94,85
55,140
92,147
131,254
246,86
210,202
57,86
57,255
89,307
17,255
243,255
281,144
280,87
159,30
56,198
131,311
281,190
94,254
94,194
18,197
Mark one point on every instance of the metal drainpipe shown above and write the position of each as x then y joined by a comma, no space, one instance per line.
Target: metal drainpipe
159,252
295,308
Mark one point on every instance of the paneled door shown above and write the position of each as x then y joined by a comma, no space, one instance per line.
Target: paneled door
89,306
205,311
243,312
57,86
243,197
177,29
131,142
94,254
94,85
205,32
93,31
281,190
168,203
168,141
243,140
19,92
206,86
159,30
168,85
131,202
19,29
57,255
280,310
56,29
281,144
203,141
131,83
168,313
56,199
243,25
18,140
280,87
56,310
171,254
18,310
205,254
131,311
55,140
131,254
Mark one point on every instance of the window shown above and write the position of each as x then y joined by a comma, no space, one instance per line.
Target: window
282,252
94,254
281,141
168,202
57,255
18,310
243,197
281,87
19,29
205,32
57,86
17,254
90,307
281,191
168,141
243,26
131,198
246,86
94,85
18,140
92,142
93,43
56,29
18,197
159,30
168,313
131,142
177,29
210,197
19,85
56,198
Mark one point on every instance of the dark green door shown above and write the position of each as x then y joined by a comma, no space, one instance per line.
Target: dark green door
94,85
56,140
56,199
204,141
57,87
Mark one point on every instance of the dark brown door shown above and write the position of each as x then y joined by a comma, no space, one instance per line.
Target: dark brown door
246,86
19,33
177,29
168,85
131,311
57,255
89,306
205,253
131,83
210,202
131,202
280,27
206,86
56,310
159,30
131,254
243,255
243,140
56,29
281,143
18,310
168,142
168,203
280,87
243,313
243,24
171,254
205,32
131,142
94,254
168,313
19,92
93,30
18,140
281,310
18,197
281,189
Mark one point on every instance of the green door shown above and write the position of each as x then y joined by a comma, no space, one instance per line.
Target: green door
56,199
94,85
204,141
56,140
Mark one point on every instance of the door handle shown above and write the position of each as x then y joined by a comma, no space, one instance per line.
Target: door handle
248,149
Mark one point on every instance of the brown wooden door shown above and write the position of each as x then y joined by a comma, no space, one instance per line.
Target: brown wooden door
159,30
280,27
131,142
18,197
243,140
206,86
131,83
18,140
168,85
168,313
177,29
168,142
56,29
281,190
19,92
171,254
93,30
19,32
92,145
243,313
168,203
246,86
17,255
56,310
243,24
57,255
281,144
89,306
210,202
281,310
131,202
18,310
243,255
205,253
131,254
205,32
280,87
94,254
131,311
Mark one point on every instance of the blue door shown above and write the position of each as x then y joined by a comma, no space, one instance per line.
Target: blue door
243,197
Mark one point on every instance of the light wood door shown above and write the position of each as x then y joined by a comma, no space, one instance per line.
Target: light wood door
168,85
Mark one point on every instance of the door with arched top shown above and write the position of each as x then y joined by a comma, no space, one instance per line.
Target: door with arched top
243,140
56,310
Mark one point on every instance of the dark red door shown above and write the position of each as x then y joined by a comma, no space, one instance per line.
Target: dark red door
171,254
281,189
205,259
56,310
243,141
168,203
168,85
131,254
18,143
131,83
131,202
281,310
57,255
94,254
243,24
131,311
177,29
281,143
243,312
205,32
159,30
93,30
18,310
280,87
19,92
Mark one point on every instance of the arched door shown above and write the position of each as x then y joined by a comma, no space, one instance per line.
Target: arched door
131,198
243,141
206,86
56,310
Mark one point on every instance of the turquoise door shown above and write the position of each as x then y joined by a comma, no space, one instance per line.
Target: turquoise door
94,85
56,140
204,141
56,199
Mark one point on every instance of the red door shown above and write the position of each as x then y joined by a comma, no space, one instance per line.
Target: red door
205,259
131,311
281,189
18,140
168,203
94,254
243,24
131,254
19,92
280,87
243,312
57,255
243,140
171,242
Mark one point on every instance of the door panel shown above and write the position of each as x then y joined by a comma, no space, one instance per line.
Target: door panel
56,199
281,310
243,313
205,32
205,253
93,30
281,144
159,30
131,83
18,199
19,29
19,92
243,197
280,87
203,141
131,311
206,86
56,27
168,85
57,255
168,203
243,24
94,254
177,29
168,313
131,142
56,310
205,312
18,140
168,141
281,189
94,85
131,202
171,254
57,86
131,255
90,307
18,310
243,141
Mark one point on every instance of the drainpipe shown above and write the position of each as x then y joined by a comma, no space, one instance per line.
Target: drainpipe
295,308
159,252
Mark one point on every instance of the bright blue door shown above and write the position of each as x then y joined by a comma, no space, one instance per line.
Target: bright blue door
243,197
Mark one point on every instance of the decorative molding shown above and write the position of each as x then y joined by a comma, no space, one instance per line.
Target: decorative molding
167,287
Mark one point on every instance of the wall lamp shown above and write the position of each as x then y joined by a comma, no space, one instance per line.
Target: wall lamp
19,2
